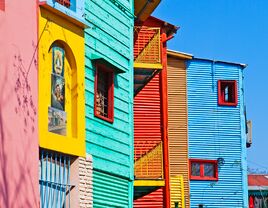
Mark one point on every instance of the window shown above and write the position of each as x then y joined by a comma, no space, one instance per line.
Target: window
104,95
55,179
203,169
2,5
227,92
65,3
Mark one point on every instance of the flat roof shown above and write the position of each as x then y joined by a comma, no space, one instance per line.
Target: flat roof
190,56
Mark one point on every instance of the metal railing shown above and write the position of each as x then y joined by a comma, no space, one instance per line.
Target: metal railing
54,179
148,160
147,45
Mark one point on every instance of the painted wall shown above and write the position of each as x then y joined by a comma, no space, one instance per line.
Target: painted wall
18,105
217,132
177,122
148,134
71,38
110,37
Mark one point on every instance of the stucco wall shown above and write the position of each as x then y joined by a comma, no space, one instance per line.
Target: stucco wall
18,104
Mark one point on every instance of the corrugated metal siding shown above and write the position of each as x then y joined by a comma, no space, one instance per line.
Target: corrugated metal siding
214,132
110,191
147,117
177,191
177,122
152,200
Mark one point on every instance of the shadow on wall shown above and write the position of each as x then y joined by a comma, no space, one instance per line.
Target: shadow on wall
17,177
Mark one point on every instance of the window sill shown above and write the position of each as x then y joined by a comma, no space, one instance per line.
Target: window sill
227,104
193,178
110,120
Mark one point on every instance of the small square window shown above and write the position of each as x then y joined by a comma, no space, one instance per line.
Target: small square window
104,95
203,169
227,92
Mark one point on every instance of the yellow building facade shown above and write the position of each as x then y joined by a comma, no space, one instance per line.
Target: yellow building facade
61,84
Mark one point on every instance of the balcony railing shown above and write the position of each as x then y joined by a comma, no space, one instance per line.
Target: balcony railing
148,160
147,45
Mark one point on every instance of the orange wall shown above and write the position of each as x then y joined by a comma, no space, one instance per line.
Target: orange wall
177,121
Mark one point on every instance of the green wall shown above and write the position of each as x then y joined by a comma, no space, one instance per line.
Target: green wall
110,37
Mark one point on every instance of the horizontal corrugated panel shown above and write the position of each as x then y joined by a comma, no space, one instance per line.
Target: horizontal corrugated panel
215,132
152,200
177,122
147,117
177,191
110,191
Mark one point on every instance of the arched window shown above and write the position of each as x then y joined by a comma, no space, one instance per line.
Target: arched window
62,112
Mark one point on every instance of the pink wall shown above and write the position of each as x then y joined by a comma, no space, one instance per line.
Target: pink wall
18,103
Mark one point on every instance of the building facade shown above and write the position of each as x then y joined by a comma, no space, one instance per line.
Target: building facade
216,134
151,166
178,127
65,170
18,104
109,100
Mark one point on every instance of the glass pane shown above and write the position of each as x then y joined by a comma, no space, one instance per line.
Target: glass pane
195,169
102,93
209,170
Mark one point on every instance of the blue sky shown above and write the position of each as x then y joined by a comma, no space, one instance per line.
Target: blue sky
229,30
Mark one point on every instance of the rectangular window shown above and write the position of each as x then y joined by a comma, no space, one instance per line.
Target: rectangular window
54,179
65,3
2,5
203,169
227,92
104,93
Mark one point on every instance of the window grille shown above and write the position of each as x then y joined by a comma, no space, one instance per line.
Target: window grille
104,85
54,179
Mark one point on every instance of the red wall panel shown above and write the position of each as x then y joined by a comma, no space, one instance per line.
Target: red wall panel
147,117
152,200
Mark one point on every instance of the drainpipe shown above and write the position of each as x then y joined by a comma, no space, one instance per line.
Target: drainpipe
164,111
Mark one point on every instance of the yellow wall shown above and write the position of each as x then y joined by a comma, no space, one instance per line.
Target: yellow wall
55,30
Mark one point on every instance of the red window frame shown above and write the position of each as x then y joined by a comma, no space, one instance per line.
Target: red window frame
66,3
110,111
202,177
221,93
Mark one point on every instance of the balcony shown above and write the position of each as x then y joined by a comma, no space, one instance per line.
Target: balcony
147,55
148,167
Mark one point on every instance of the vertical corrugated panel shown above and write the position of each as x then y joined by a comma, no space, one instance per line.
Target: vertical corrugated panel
110,191
215,132
147,117
177,121
152,200
177,191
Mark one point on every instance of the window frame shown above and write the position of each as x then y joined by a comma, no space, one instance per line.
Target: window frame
202,170
110,112
221,97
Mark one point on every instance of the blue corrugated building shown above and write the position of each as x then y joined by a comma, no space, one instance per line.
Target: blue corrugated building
217,134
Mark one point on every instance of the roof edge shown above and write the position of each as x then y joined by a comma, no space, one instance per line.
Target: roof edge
179,54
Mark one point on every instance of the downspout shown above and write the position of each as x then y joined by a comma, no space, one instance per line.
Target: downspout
164,112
